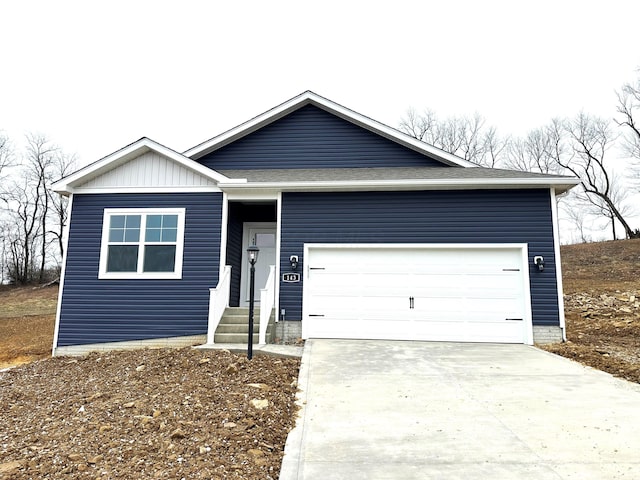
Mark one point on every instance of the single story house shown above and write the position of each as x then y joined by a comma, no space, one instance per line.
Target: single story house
363,232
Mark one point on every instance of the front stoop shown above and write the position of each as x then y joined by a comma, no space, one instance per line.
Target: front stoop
234,326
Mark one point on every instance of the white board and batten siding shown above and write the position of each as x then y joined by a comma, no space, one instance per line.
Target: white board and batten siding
149,170
445,292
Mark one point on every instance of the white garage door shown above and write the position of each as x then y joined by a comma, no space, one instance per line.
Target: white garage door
474,293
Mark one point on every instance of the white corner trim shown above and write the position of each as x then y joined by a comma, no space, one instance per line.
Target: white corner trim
223,235
278,247
129,153
556,251
527,290
307,98
63,272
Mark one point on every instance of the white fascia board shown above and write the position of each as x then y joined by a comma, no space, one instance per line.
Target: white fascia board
252,195
561,184
307,98
122,156
197,189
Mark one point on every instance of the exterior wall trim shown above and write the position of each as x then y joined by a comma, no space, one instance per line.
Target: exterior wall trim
276,305
556,246
223,234
65,243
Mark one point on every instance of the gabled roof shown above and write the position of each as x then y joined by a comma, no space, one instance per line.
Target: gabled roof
310,98
394,178
67,184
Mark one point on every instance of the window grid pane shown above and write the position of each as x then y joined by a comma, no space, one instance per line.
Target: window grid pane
159,258
124,229
161,228
122,258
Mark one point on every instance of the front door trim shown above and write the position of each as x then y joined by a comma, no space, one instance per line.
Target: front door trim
246,228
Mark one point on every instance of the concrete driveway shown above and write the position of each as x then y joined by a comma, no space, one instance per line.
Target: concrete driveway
404,410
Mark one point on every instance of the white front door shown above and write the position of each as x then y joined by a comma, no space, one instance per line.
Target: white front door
262,235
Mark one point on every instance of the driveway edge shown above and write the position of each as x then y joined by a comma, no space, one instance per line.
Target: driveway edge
290,469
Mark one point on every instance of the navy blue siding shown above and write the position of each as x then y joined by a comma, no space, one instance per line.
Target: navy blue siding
95,311
466,216
313,138
234,251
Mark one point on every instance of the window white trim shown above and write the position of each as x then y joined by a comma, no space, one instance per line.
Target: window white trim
139,274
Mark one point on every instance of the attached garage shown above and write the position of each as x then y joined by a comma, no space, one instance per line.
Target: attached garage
443,292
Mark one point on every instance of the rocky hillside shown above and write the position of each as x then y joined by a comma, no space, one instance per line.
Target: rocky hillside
602,305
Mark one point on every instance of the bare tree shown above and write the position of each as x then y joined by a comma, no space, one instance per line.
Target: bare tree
6,154
466,137
22,203
577,217
590,138
540,150
619,197
41,155
420,126
62,166
629,110
495,148
34,216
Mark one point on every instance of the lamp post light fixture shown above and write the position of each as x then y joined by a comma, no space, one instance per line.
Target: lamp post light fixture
252,255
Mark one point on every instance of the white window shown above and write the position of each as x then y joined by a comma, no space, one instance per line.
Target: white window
142,243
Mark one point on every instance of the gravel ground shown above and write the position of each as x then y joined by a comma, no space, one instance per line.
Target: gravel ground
162,413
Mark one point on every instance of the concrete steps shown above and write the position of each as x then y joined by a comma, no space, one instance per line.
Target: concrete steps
234,326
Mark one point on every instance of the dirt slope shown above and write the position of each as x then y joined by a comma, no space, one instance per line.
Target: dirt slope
27,318
172,414
602,304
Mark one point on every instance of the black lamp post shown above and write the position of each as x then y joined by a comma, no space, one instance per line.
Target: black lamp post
252,254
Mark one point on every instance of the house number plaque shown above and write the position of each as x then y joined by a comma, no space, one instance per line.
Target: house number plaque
290,277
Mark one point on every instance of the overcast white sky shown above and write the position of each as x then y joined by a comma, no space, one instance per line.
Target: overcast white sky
95,76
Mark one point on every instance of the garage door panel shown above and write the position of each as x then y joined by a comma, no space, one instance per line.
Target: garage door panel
332,306
421,293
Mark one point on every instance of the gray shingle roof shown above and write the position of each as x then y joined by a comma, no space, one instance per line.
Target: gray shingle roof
378,174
